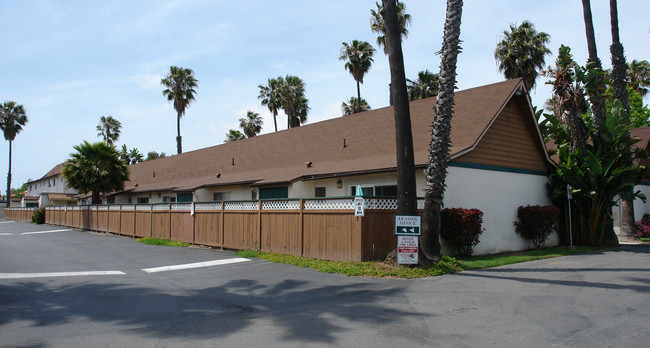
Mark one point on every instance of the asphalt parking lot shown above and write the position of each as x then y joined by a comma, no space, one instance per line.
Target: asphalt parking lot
62,287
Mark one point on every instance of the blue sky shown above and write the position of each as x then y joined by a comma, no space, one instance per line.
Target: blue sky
70,62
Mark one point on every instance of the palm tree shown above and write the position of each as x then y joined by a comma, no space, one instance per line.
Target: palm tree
233,135
378,24
95,168
12,121
136,156
638,74
353,106
424,87
269,94
251,124
358,57
180,88
124,154
109,129
436,171
597,89
521,51
291,93
406,188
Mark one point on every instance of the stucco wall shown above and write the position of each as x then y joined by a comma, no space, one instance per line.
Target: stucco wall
498,195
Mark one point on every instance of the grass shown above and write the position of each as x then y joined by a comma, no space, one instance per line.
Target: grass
378,269
163,242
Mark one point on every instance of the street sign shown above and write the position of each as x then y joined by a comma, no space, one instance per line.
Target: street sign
408,225
407,250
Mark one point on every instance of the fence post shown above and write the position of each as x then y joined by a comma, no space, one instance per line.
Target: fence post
223,223
302,227
259,225
150,220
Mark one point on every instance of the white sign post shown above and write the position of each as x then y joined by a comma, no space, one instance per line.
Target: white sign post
408,229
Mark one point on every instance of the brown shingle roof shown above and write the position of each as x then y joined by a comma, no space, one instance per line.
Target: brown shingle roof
363,142
53,172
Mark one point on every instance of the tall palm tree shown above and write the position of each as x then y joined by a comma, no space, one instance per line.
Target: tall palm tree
291,91
436,171
597,91
270,96
406,188
353,106
424,87
109,129
378,23
358,57
136,156
95,168
521,51
251,124
180,87
12,120
233,135
638,74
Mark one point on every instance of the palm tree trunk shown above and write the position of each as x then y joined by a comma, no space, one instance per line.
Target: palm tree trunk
275,120
436,171
406,188
95,198
358,106
596,93
179,140
8,203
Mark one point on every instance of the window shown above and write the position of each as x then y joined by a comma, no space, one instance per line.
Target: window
367,191
184,197
319,192
110,200
49,183
143,200
253,195
168,199
386,191
220,196
53,182
274,192
130,200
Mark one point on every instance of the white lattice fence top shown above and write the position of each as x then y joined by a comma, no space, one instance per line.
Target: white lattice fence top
99,207
142,207
380,203
159,207
127,206
208,206
181,206
113,207
280,205
329,204
241,206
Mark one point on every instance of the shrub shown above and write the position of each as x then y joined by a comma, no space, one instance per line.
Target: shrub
461,228
536,223
39,216
643,227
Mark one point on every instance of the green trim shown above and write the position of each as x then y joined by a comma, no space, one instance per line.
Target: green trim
496,168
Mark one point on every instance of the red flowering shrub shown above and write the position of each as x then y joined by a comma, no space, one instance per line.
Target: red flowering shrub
536,223
643,227
461,228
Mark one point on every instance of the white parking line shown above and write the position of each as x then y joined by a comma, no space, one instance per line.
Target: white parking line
6,234
195,265
52,231
7,222
57,274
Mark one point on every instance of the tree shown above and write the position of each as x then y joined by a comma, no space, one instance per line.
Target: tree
358,57
425,86
352,106
152,155
95,168
291,93
180,88
639,112
270,97
109,129
233,135
521,51
436,171
638,75
406,188
596,89
19,191
124,154
378,24
251,125
136,156
12,120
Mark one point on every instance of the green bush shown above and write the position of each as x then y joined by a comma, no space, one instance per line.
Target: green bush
39,216
461,228
536,223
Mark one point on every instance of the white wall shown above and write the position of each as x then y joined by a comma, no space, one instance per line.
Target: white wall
497,195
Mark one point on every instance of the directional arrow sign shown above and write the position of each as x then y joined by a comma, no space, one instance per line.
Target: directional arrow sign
408,225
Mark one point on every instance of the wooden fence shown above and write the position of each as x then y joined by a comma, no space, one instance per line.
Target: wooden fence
322,228
19,214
